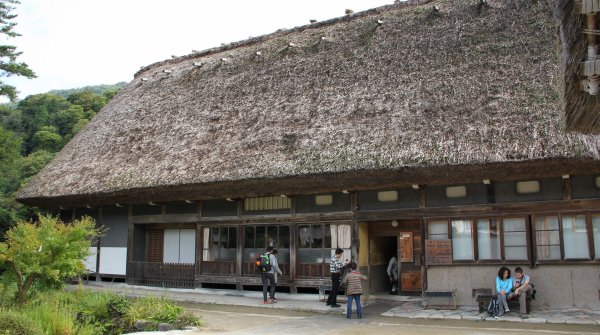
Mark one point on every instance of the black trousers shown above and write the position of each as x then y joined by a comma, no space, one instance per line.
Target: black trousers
268,279
335,286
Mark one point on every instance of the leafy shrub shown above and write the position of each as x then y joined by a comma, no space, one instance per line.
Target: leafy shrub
14,323
187,319
118,306
160,310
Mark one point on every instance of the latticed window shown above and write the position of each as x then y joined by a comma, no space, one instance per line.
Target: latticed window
154,245
220,244
267,204
317,244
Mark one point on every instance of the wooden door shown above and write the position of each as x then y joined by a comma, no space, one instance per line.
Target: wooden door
409,256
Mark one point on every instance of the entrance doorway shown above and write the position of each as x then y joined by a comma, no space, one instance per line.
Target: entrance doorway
403,241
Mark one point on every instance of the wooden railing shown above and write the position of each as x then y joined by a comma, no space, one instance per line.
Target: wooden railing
161,274
219,268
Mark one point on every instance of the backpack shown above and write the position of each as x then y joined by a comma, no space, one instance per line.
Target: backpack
263,263
493,309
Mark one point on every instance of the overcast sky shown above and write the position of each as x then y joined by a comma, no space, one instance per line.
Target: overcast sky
76,43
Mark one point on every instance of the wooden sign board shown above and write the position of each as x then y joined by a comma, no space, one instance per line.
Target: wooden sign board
406,247
438,252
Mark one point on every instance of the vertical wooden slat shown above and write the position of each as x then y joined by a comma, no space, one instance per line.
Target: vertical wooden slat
130,230
566,188
155,245
293,255
355,241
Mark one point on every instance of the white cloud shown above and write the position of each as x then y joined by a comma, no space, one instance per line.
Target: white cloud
74,43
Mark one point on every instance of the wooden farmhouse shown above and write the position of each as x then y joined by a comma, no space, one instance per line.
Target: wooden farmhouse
439,132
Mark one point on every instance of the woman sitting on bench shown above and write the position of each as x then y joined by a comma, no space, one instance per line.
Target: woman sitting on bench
504,286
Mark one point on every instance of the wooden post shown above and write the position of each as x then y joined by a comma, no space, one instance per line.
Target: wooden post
293,252
240,255
130,246
566,188
355,245
98,246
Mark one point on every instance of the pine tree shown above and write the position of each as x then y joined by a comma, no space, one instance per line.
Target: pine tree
8,53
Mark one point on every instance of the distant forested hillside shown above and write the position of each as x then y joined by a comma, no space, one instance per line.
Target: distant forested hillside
98,89
33,130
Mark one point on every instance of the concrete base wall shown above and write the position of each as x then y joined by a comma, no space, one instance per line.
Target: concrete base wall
556,285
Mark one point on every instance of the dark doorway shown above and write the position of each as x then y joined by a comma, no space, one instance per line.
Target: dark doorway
402,239
382,250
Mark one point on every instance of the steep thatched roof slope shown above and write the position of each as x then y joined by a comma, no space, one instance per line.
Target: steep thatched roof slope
581,110
422,93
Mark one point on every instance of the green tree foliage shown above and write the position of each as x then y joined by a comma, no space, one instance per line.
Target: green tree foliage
33,163
48,250
10,154
8,53
11,119
47,138
31,132
37,111
108,91
90,102
65,119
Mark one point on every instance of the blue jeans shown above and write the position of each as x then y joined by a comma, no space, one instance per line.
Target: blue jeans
356,298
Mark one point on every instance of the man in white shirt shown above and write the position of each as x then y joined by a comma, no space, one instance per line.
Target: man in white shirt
392,272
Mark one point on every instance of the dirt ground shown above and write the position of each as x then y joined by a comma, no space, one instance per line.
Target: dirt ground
220,319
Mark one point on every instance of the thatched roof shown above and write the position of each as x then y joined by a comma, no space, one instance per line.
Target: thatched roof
425,96
581,110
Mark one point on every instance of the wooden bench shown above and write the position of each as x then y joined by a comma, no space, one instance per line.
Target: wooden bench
484,295
451,295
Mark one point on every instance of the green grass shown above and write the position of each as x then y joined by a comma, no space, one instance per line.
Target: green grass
86,312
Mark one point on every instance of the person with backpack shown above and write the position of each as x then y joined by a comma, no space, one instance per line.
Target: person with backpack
335,266
504,286
352,280
267,275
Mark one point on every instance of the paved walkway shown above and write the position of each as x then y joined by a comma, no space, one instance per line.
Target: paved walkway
404,307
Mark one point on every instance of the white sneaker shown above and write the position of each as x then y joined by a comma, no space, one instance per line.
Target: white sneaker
506,310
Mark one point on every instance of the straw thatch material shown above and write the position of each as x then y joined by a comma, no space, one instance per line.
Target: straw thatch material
581,110
467,92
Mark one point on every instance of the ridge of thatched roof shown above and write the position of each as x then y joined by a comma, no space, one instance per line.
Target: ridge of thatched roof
581,110
461,87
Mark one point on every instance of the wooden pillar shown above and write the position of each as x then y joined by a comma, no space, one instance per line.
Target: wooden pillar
130,246
199,246
421,197
240,255
98,245
355,245
566,187
293,252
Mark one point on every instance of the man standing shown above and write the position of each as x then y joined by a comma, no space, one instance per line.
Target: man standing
522,289
392,272
335,266
267,275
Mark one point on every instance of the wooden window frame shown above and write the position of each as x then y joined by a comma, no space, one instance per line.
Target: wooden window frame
210,240
588,224
474,240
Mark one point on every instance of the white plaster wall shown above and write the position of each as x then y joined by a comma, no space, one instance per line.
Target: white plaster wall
90,261
556,285
113,260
